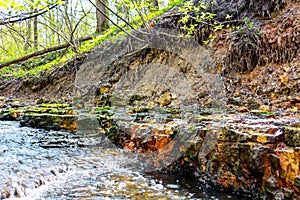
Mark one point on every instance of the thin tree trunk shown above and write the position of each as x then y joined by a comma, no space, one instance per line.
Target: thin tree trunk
35,32
57,22
28,38
102,22
155,4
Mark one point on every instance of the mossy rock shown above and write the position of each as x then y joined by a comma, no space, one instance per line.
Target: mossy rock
292,136
49,121
54,105
141,109
37,110
101,110
60,110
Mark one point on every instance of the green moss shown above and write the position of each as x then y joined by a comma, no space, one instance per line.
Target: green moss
54,105
37,110
48,108
292,136
15,111
102,108
141,109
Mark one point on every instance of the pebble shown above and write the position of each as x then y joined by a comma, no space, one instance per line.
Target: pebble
172,186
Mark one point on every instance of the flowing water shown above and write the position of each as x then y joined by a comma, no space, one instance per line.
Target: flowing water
39,164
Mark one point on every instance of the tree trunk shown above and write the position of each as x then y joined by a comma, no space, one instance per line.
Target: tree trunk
102,22
154,4
35,32
28,35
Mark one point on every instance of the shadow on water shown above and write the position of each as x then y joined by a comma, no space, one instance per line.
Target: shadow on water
188,184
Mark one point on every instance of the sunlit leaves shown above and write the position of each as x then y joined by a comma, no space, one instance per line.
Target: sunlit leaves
197,17
209,15
201,15
3,4
10,6
228,16
248,22
218,26
211,39
184,19
60,2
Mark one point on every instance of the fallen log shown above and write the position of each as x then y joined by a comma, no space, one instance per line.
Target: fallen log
44,51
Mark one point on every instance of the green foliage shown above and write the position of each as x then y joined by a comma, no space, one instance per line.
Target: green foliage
248,22
34,67
193,15
10,5
31,67
14,6
196,16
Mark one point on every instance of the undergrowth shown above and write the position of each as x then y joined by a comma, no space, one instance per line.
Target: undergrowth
35,66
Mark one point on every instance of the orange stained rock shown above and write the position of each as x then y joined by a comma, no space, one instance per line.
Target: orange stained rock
129,145
227,179
243,109
262,138
164,152
69,126
272,131
293,109
161,142
165,99
289,163
284,78
17,114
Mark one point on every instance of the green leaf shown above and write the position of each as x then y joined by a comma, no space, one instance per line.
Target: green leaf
30,3
14,4
184,19
202,6
228,16
36,3
3,4
19,7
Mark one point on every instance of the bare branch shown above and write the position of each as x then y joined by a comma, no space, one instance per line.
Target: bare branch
37,13
114,22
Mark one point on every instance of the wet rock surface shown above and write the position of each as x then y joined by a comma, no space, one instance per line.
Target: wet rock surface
253,153
31,170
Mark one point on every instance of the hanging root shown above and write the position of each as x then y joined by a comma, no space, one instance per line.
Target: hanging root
243,50
281,40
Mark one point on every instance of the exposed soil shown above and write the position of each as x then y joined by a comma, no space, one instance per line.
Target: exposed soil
260,66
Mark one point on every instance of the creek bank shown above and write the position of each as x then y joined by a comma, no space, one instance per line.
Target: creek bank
253,152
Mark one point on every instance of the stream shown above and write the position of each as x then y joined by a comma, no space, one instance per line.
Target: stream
67,169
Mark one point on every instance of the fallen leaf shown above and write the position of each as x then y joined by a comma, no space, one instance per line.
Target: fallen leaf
284,78
264,108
